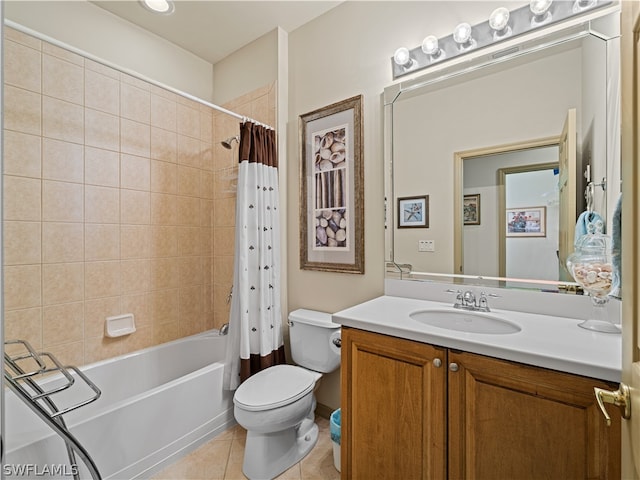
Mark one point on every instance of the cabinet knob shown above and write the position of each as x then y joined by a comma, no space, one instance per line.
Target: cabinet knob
437,362
453,367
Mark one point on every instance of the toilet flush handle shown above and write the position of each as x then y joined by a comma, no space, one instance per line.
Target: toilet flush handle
337,341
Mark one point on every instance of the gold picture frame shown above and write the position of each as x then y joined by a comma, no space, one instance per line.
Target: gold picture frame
332,188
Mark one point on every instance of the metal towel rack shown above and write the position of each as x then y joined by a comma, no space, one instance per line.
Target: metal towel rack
22,372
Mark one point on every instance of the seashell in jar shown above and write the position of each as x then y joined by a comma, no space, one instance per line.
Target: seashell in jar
591,276
327,140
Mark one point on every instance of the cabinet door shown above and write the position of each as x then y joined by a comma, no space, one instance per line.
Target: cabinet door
508,421
393,408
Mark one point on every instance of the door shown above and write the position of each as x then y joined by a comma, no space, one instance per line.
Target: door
567,187
630,50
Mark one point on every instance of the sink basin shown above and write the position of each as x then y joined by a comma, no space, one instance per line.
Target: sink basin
465,321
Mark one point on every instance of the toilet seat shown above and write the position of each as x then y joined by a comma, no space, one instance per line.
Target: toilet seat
274,387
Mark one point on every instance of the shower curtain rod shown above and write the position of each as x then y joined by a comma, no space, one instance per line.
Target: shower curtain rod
106,63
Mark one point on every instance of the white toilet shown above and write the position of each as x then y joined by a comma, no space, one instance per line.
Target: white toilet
276,406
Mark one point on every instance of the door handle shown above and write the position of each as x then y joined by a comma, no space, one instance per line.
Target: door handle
620,398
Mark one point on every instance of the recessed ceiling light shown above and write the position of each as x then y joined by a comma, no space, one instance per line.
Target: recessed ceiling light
159,6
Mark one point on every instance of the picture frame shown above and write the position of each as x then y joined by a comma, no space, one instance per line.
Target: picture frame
526,222
471,209
413,212
332,188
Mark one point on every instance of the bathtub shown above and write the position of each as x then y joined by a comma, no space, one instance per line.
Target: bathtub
157,405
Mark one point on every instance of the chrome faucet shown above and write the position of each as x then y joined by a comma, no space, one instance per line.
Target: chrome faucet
468,301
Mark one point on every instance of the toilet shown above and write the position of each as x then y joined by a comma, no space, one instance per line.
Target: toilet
276,406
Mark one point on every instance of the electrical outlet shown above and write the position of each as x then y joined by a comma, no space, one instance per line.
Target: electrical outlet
426,246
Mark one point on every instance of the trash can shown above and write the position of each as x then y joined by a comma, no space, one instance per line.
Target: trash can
334,427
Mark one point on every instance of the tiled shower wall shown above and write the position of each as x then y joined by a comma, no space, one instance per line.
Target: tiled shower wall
118,199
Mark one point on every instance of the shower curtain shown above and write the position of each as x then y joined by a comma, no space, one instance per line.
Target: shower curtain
255,320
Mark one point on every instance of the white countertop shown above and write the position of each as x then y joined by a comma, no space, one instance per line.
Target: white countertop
545,341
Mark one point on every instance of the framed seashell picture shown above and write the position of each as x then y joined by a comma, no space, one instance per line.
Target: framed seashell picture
331,188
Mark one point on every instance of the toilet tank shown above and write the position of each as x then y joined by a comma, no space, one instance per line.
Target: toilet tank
314,340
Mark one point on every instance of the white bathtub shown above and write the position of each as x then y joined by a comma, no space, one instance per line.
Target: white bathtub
157,405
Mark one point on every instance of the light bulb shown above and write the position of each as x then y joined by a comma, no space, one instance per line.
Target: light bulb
499,19
402,57
462,33
430,46
540,7
159,6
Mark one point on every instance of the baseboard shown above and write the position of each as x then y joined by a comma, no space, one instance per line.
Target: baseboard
324,411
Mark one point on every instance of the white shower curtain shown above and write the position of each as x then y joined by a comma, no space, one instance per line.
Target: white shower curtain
255,320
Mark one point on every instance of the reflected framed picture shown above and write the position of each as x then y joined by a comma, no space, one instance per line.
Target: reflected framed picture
471,209
413,212
526,222
332,188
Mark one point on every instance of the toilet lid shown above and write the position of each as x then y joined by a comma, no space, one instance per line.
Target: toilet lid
274,387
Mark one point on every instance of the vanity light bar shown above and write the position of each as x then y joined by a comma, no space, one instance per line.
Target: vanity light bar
502,25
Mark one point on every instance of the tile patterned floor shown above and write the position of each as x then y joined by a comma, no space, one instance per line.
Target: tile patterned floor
221,459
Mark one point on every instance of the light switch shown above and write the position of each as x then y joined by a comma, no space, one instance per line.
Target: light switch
426,246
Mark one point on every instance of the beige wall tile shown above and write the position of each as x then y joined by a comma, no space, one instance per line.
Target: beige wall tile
96,312
189,271
93,66
164,177
101,242
223,240
22,66
206,213
206,156
101,167
135,241
135,138
166,333
69,353
22,243
206,184
164,145
135,276
164,273
22,198
62,283
22,38
62,323
22,154
207,269
224,213
135,103
102,204
62,201
206,241
189,151
162,92
163,112
225,182
164,241
62,53
62,79
102,130
62,161
136,82
188,181
102,92
164,209
142,338
22,286
164,306
188,120
135,172
223,268
139,306
24,324
102,279
206,125
22,110
101,348
62,120
62,242
189,241
188,209
190,301
135,207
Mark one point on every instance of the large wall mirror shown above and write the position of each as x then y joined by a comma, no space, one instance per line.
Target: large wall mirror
501,150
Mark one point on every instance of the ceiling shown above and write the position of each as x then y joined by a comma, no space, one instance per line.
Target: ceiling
213,29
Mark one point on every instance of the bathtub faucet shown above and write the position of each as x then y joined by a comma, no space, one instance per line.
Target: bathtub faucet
224,329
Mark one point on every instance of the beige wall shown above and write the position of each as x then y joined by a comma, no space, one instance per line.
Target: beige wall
118,199
97,32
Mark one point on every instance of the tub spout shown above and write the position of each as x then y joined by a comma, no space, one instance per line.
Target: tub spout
224,329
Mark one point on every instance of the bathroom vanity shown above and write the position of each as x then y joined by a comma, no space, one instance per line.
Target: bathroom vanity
423,401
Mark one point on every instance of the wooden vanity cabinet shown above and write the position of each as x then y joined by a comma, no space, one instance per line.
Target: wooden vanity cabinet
415,411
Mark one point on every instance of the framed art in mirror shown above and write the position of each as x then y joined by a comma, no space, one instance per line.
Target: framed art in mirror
471,209
413,212
526,222
331,188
